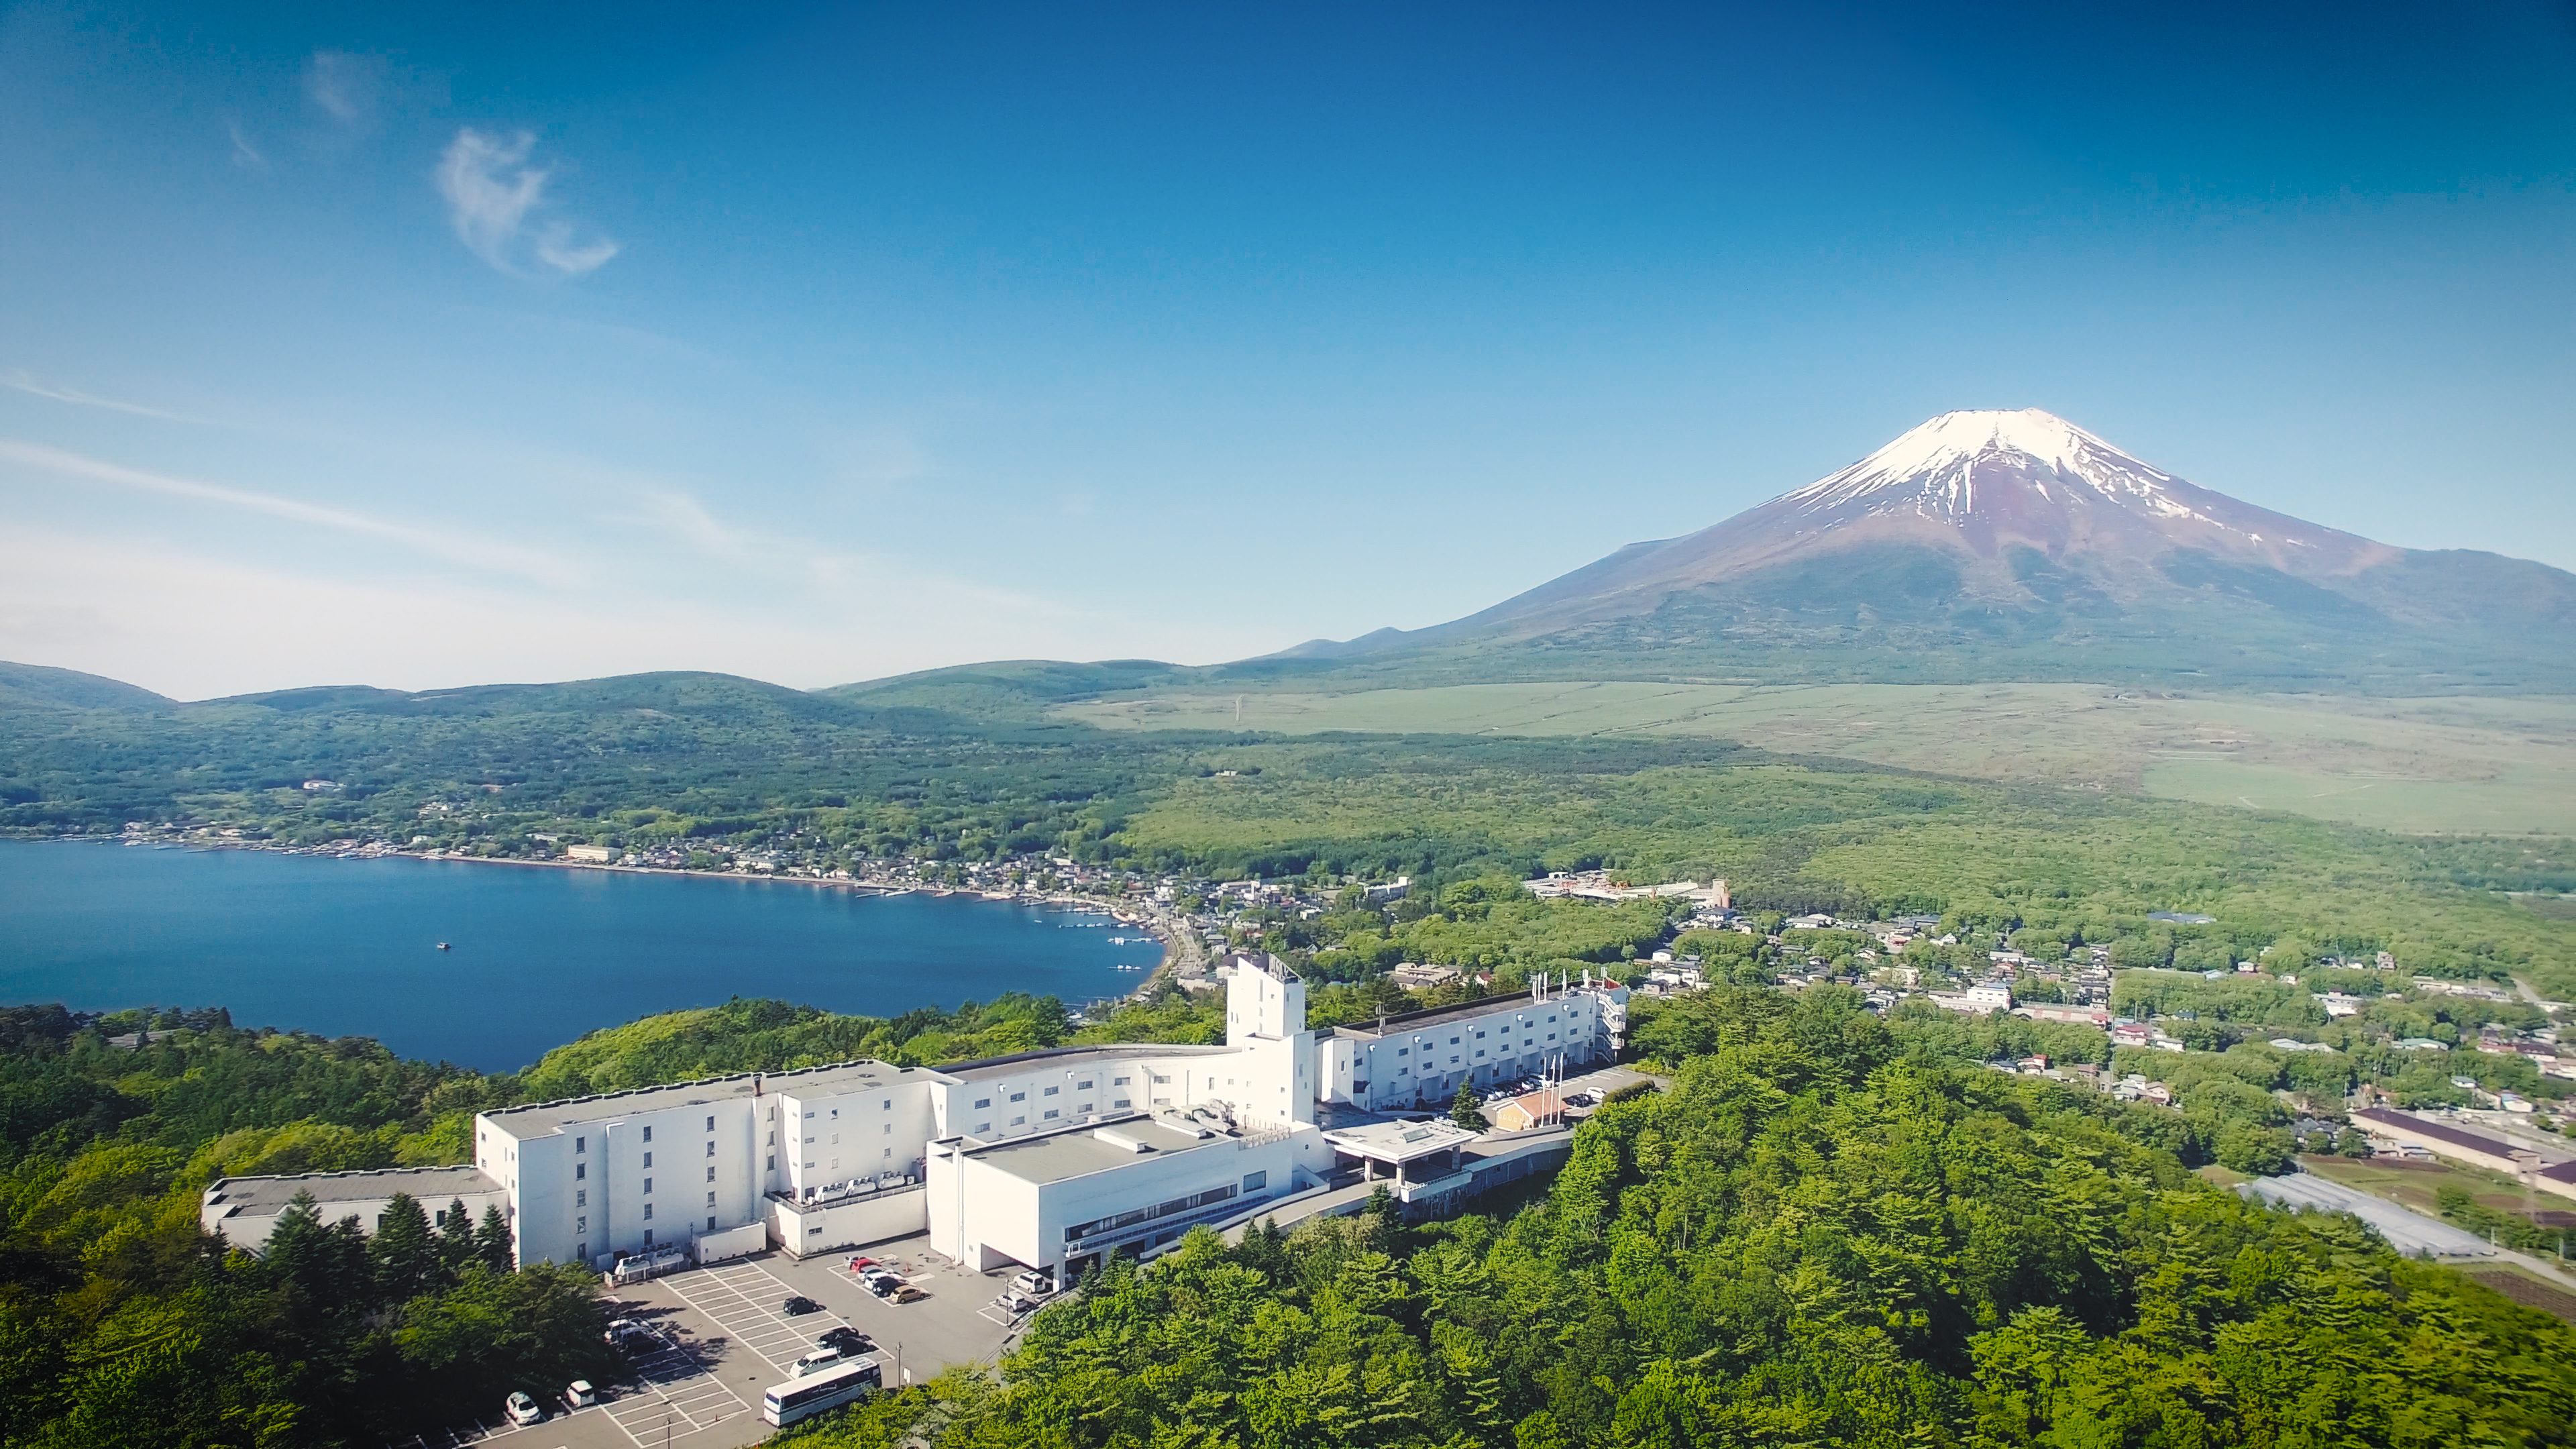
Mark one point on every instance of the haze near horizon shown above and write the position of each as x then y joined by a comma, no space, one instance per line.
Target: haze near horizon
417,348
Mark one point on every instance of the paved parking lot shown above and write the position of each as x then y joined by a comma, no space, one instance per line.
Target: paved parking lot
730,1343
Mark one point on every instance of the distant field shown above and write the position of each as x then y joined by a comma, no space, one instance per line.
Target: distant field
2450,764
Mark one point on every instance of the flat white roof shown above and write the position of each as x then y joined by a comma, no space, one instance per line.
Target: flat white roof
1399,1141
434,1186
1082,1151
539,1119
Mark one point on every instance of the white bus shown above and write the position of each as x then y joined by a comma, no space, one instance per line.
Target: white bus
841,1384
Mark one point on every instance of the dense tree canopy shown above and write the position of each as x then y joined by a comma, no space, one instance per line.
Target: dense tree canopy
1822,1235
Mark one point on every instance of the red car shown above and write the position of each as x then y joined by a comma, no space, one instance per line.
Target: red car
861,1264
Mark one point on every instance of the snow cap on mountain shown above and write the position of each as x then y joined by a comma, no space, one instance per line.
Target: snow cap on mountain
1935,468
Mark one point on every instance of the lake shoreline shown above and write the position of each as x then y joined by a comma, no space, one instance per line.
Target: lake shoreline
1147,920
538,957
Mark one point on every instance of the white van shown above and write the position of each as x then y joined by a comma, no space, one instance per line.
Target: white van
1033,1283
815,1362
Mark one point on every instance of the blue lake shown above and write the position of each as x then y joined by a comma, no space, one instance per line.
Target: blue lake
539,956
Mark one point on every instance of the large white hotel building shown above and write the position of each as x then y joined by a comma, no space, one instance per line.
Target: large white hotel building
1049,1159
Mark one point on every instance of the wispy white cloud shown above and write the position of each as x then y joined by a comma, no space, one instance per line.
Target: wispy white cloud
21,382
245,155
486,555
492,193
344,86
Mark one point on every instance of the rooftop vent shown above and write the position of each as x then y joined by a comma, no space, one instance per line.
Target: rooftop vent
1121,1140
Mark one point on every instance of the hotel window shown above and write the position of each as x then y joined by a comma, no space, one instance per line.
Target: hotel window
983,1126
1019,1096
648,1134
889,1129
711,1222
711,1174
1255,1181
1084,1086
1085,1107
581,1144
579,1199
648,1159
711,1202
887,1104
983,1102
1120,1081
1016,1121
773,1162
711,1149
580,1171
1121,1102
1051,1091
1051,1112
773,1138
583,1251
648,1234
648,1217
581,1225
711,1125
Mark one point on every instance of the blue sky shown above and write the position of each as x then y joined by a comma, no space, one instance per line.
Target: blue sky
429,346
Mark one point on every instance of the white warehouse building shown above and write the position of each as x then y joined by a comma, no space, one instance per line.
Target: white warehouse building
1050,1159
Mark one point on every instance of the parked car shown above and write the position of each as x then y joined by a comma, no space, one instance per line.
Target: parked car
909,1294
860,1262
633,1338
848,1340
815,1362
580,1395
879,1282
1015,1302
1033,1283
798,1304
522,1410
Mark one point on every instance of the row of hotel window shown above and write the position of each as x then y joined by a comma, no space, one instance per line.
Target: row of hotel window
581,1251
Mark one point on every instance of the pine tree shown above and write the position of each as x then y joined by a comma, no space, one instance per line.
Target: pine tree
1463,1109
407,1260
492,1241
456,1237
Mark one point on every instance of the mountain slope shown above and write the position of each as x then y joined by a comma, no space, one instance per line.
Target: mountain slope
34,686
2017,545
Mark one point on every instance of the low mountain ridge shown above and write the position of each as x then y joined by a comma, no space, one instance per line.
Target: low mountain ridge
37,686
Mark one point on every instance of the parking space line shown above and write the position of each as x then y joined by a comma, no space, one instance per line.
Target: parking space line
675,1386
725,1295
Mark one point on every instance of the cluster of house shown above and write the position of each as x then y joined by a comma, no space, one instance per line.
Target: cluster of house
1049,1159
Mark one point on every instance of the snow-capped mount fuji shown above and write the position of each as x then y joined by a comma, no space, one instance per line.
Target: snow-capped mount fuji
2032,477
2021,532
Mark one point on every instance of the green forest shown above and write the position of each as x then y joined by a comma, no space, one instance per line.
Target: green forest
1828,1233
